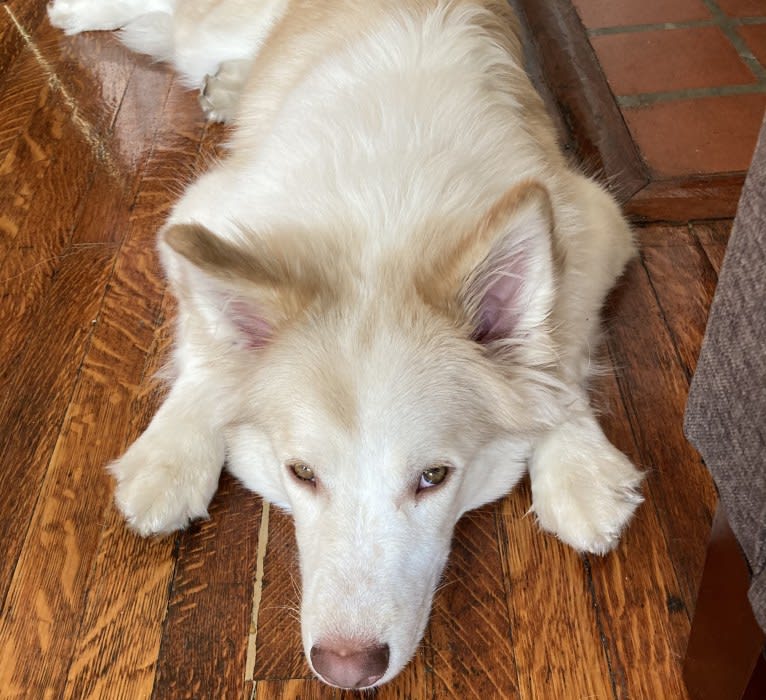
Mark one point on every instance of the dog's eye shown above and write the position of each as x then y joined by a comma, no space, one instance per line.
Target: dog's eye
302,470
433,476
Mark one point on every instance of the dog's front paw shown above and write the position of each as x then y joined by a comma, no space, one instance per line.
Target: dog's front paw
586,503
219,96
162,485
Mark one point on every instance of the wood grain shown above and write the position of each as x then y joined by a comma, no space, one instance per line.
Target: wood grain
204,642
654,386
293,690
118,642
635,587
552,611
710,197
471,632
279,651
124,647
38,370
684,282
713,237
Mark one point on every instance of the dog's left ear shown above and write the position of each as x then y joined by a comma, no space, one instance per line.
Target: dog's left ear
509,293
500,278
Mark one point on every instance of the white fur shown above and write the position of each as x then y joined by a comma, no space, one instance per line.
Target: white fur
381,155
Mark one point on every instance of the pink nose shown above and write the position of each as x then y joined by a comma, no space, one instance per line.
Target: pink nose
347,664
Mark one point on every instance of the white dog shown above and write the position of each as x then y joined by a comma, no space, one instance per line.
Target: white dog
389,293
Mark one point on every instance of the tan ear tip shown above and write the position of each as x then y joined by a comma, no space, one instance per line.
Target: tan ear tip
186,239
535,193
171,236
531,190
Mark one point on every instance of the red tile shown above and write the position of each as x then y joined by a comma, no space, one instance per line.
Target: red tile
743,8
702,136
672,59
620,13
755,38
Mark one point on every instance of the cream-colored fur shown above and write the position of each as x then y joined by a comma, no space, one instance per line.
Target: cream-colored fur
393,268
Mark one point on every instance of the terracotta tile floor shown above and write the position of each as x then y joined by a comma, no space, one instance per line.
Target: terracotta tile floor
689,77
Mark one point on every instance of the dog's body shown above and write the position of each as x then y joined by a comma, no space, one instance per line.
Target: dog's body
393,317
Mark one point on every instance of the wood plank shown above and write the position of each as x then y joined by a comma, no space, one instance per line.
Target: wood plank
685,199
204,643
713,236
45,598
27,108
39,367
662,236
118,640
297,689
279,649
551,608
37,390
635,588
684,282
655,386
109,379
118,653
472,637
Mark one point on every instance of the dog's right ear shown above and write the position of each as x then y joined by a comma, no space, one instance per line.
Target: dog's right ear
254,288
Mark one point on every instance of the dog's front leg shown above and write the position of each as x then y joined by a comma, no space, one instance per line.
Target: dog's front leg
584,490
169,475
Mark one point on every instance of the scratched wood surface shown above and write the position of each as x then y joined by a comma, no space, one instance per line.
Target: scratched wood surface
95,145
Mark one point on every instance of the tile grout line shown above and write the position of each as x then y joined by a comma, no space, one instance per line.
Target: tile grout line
719,19
664,26
263,539
727,26
644,99
652,27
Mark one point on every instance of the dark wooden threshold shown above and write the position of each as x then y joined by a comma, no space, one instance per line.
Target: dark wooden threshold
596,132
724,659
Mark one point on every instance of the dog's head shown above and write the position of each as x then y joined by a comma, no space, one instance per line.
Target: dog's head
378,403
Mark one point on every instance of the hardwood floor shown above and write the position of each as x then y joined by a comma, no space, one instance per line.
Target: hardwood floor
95,145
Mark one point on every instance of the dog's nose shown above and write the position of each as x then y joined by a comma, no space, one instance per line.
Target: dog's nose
347,664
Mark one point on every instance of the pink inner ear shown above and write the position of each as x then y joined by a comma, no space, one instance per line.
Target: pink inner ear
253,327
501,306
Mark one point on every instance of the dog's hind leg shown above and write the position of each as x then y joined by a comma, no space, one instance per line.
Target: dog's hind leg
74,16
169,475
584,490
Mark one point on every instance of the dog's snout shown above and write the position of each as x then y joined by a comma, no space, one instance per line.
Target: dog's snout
348,664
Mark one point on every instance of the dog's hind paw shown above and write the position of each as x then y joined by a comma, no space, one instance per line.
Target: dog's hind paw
161,488
219,95
75,16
